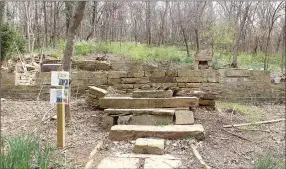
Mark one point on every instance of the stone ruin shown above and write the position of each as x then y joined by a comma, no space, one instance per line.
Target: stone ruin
203,59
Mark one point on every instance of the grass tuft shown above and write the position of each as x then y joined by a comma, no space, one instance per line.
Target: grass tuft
268,161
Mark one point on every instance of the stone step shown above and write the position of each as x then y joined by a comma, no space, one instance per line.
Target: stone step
129,102
152,94
149,146
184,117
130,132
120,112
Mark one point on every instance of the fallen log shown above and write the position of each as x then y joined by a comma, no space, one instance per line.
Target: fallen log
199,157
255,123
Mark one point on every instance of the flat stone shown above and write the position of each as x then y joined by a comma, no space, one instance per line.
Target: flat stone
167,112
107,122
98,92
118,163
117,74
50,67
129,132
145,156
206,102
124,120
166,79
162,163
192,79
150,120
129,102
135,80
149,146
152,94
237,73
184,117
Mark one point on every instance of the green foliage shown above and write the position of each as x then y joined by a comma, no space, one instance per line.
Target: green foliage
11,42
249,113
268,161
24,152
162,123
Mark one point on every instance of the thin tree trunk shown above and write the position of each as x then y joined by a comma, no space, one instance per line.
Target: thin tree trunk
46,25
76,20
55,24
183,31
2,12
148,22
238,37
68,12
93,20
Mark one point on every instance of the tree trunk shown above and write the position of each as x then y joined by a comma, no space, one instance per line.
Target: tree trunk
183,31
55,24
148,22
163,18
238,37
93,20
68,12
2,12
27,25
76,20
46,25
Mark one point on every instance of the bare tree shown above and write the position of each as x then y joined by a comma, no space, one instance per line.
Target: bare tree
76,20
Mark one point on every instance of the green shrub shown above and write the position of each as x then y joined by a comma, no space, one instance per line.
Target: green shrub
24,152
268,161
188,60
11,42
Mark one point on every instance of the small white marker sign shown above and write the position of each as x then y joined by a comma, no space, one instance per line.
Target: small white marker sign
60,78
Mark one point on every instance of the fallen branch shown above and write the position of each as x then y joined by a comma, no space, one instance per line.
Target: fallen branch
91,155
199,157
241,137
255,123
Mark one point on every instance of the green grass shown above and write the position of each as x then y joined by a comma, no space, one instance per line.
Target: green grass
248,113
248,61
162,123
268,161
143,52
25,152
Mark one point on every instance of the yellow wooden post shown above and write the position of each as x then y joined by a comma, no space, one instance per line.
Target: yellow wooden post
61,124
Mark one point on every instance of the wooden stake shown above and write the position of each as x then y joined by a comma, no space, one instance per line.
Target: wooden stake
61,125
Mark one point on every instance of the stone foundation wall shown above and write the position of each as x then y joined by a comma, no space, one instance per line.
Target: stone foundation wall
229,84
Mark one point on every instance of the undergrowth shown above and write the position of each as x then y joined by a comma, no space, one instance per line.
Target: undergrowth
247,112
25,152
143,52
268,161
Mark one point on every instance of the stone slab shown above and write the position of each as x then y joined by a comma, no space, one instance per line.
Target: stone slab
129,132
50,67
145,120
184,117
145,156
129,102
162,163
117,74
118,163
98,92
152,94
206,102
107,122
120,112
149,146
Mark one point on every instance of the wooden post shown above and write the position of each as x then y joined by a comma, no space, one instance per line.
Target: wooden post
61,124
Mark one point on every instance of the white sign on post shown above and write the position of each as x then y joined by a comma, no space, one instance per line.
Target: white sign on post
59,95
60,79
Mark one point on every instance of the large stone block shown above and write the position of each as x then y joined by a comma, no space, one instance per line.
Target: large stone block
184,117
98,92
118,163
237,73
117,74
123,86
206,102
107,122
129,132
128,102
149,146
193,85
189,73
156,73
194,79
120,112
162,163
50,67
142,86
152,94
135,74
112,81
172,73
165,79
145,120
136,80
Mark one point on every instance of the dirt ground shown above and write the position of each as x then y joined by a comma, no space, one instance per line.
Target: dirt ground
220,149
